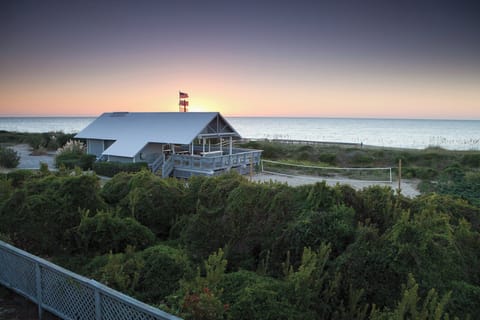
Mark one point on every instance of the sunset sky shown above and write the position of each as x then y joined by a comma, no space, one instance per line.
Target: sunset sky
392,59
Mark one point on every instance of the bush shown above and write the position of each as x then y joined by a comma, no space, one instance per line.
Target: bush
472,160
329,158
109,169
155,202
106,233
72,160
35,140
117,188
119,271
335,225
39,214
6,189
465,299
164,267
361,158
72,146
18,177
9,158
419,172
262,300
72,155
46,140
378,207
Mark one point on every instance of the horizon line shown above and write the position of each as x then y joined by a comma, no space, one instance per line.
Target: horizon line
253,116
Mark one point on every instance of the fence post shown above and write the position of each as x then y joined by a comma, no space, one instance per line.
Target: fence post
98,302
399,176
38,283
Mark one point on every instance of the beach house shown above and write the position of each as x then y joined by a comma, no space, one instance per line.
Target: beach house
179,144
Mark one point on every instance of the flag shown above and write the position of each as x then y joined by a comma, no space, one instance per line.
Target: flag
183,103
183,95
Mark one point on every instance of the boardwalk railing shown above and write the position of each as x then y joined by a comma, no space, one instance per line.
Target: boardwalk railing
290,141
66,294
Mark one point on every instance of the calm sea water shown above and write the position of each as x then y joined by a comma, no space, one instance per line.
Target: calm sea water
418,134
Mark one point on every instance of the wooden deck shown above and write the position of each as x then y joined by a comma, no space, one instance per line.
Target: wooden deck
209,164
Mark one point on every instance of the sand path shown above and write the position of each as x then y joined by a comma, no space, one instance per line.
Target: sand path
29,161
409,187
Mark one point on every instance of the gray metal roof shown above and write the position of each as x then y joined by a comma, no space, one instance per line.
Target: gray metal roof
132,131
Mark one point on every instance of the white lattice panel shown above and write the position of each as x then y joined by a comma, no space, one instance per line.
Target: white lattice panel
18,273
68,296
115,309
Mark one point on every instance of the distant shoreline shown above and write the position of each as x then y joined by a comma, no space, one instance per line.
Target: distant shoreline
397,133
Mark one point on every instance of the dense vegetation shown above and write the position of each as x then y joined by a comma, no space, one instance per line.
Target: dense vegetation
442,171
8,158
38,141
227,248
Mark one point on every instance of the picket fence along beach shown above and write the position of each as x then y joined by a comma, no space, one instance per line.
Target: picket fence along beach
401,133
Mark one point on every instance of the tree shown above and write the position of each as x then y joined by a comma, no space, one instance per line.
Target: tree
410,305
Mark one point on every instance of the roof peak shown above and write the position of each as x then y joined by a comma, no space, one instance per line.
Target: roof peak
160,112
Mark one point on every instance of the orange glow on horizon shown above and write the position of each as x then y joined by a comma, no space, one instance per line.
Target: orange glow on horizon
238,94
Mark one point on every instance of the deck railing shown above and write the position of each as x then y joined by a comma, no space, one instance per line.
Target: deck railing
214,163
66,294
167,167
158,163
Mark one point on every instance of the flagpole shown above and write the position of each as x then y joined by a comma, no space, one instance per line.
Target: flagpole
182,97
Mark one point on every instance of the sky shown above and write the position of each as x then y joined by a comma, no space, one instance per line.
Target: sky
363,58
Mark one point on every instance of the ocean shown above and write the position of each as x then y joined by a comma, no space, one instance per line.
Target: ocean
401,133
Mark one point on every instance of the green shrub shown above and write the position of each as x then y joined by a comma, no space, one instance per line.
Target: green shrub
378,206
46,140
40,214
35,140
367,264
335,225
303,156
161,274
239,214
272,150
109,169
419,173
117,188
362,158
10,137
105,232
200,297
261,300
72,155
18,177
471,160
453,172
465,300
9,158
6,189
72,160
155,202
329,158
120,271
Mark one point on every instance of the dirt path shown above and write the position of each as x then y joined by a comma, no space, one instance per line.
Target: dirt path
409,187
